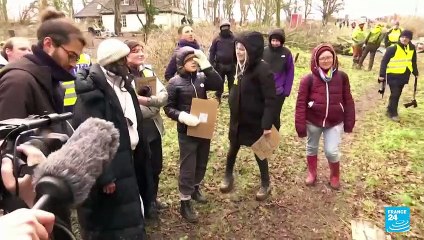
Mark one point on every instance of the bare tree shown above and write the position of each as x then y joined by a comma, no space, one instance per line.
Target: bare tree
244,9
84,2
149,11
329,7
4,10
307,8
117,19
228,8
28,12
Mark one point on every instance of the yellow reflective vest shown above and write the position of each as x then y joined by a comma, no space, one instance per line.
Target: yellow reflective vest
394,35
358,35
70,95
400,61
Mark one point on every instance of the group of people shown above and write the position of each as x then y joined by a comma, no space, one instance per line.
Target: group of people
399,60
259,79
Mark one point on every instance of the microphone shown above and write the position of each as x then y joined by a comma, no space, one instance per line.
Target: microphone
68,174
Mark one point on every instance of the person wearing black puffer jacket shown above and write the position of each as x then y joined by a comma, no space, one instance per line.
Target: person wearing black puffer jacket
252,107
221,56
194,152
280,60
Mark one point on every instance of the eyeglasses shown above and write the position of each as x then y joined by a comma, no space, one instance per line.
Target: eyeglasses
72,56
326,59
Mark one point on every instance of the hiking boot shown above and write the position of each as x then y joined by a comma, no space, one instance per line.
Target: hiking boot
187,211
334,175
395,119
197,196
264,192
161,205
312,170
227,183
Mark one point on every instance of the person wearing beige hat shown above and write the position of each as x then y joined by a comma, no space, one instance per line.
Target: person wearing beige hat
113,209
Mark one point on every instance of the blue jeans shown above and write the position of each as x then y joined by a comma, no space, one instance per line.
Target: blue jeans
332,139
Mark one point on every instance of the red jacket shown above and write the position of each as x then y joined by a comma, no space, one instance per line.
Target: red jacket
324,104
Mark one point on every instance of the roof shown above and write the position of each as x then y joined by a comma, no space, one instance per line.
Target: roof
106,8
92,9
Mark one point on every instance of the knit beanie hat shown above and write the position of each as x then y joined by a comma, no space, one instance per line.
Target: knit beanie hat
111,50
407,33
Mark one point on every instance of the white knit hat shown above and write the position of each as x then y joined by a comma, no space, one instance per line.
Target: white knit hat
111,50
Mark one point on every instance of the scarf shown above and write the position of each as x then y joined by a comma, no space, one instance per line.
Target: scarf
326,76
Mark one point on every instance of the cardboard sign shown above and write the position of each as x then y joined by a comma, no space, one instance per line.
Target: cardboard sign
206,110
266,145
146,81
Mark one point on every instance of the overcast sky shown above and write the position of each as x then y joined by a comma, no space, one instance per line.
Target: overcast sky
354,8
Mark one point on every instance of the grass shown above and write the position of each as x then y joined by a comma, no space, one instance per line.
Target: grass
382,165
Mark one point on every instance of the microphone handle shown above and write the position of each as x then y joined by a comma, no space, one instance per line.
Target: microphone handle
42,202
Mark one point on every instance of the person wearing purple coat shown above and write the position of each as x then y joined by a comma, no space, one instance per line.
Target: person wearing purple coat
281,62
187,39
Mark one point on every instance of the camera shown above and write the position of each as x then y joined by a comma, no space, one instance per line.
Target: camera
34,131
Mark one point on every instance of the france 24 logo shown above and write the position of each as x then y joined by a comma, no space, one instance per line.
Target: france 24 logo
397,219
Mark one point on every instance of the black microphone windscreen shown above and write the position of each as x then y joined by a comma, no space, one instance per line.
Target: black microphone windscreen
83,158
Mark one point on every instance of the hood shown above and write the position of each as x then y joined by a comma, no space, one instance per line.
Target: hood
181,54
278,34
254,44
318,50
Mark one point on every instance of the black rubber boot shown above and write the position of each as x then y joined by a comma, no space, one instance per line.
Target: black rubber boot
187,211
152,212
197,196
265,189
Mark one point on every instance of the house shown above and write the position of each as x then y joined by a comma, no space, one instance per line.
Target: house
103,10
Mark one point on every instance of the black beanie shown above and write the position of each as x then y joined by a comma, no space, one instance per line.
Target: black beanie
407,33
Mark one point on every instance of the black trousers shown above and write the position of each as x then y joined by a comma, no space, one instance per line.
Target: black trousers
194,156
279,107
225,71
156,164
231,160
395,92
372,50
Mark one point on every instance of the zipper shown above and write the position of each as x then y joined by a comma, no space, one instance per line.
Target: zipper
192,84
341,105
328,102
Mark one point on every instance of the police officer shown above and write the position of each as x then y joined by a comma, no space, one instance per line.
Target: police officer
399,61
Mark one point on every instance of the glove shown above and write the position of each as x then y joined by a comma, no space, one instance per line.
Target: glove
188,119
145,91
201,59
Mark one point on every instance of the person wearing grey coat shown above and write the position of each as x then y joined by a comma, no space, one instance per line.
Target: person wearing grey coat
153,130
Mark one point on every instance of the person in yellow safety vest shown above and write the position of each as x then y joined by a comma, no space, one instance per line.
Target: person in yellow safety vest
358,38
84,62
372,43
399,61
392,36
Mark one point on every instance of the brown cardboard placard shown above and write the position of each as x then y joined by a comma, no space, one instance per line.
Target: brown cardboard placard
266,145
146,81
206,110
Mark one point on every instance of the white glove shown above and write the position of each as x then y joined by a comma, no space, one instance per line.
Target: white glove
188,119
201,59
